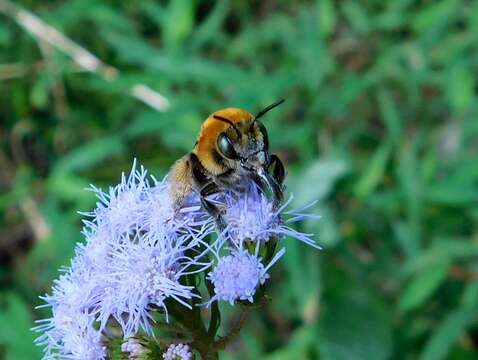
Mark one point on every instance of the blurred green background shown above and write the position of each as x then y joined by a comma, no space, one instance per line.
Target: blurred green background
380,125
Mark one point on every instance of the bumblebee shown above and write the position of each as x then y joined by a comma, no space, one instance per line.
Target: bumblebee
232,146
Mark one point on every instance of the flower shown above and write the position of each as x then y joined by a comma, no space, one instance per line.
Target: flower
119,210
253,222
135,253
69,333
133,348
237,276
142,258
251,216
178,352
141,275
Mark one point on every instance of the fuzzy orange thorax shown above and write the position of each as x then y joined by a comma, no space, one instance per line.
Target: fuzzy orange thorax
210,130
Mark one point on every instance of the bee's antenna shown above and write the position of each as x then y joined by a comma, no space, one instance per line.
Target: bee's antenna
220,118
267,108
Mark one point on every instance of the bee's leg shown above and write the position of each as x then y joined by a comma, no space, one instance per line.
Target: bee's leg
206,187
278,171
210,189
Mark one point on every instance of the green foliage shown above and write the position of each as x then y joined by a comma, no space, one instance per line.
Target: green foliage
379,126
15,323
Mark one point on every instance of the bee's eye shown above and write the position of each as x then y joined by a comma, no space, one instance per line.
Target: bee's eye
265,138
226,148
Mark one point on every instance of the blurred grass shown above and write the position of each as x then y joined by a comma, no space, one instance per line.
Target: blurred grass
380,125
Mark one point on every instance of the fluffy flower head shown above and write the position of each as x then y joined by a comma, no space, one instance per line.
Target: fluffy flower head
237,276
133,348
251,216
137,252
178,352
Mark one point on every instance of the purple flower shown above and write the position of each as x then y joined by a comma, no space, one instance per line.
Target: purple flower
69,333
237,276
137,249
119,210
178,352
142,258
133,348
142,274
251,216
251,219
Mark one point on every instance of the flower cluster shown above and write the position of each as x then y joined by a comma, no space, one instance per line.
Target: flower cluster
138,252
252,222
178,352
133,348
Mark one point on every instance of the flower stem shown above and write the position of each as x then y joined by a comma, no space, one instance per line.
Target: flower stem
223,342
202,341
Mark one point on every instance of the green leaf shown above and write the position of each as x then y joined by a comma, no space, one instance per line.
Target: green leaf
39,93
354,327
357,16
423,285
373,172
452,194
327,229
445,249
297,347
461,87
5,35
449,331
178,22
434,15
406,238
327,17
390,115
70,187
470,295
90,154
15,325
318,180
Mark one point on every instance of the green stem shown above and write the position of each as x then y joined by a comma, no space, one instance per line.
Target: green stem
202,342
215,320
222,343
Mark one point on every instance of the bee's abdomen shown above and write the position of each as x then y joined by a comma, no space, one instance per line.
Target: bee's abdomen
180,181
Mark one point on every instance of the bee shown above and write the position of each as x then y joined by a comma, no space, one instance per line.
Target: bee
232,146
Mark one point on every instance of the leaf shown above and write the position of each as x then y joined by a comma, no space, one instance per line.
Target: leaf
373,172
423,285
297,347
406,238
354,327
449,331
327,17
434,15
178,22
208,30
461,88
292,262
390,115
411,186
470,295
318,180
90,154
39,93
445,249
15,324
5,35
452,194
69,187
327,230
357,16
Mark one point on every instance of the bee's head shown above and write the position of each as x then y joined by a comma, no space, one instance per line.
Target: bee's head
244,146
